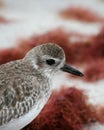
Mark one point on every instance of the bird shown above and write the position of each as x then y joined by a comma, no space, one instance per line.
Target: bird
25,84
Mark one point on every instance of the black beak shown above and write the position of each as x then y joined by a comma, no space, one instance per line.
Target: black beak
69,69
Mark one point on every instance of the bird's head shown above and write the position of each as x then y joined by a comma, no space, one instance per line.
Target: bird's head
50,58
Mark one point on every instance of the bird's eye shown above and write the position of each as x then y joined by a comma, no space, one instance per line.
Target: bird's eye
50,62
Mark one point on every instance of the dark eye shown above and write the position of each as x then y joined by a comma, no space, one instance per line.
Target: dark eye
50,62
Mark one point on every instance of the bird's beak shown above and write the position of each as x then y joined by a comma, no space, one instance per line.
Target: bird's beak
69,69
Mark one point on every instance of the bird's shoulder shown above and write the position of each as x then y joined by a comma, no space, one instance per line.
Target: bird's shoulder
14,69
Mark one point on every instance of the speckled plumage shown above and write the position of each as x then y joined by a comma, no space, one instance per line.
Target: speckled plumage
23,83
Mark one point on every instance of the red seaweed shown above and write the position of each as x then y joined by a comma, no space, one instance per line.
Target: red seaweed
100,113
81,14
95,71
10,54
97,49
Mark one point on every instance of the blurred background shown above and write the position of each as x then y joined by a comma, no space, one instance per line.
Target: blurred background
76,25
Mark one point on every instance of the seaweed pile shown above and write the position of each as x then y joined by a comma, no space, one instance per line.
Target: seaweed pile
81,14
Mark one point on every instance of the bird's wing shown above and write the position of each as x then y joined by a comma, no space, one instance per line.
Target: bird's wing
17,92
17,98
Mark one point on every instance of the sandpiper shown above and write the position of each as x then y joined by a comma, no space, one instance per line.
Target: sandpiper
25,84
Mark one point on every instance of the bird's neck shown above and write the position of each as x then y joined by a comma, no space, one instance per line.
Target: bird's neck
37,71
